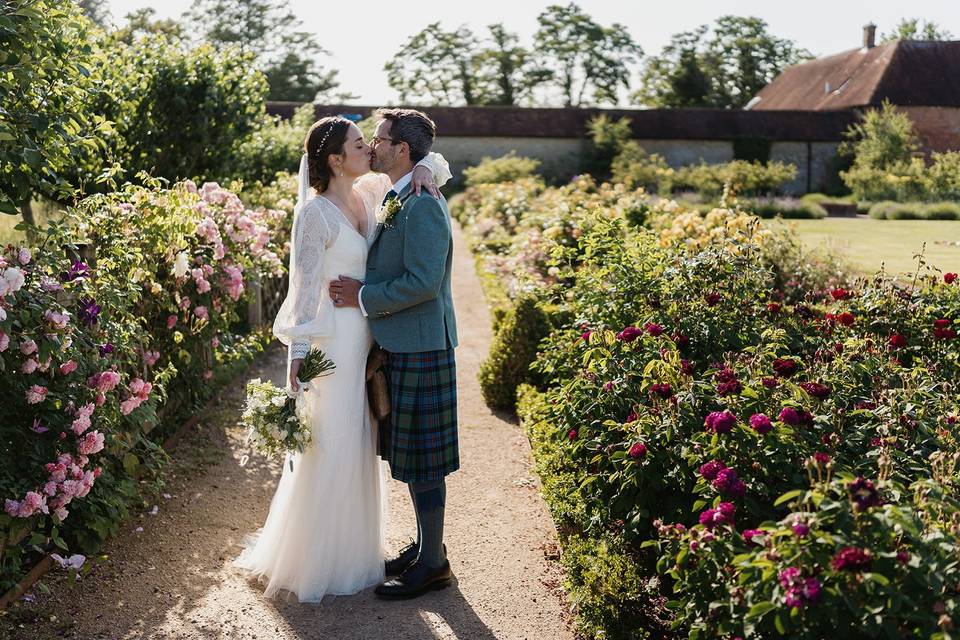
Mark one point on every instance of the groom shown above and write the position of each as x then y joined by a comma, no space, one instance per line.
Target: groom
407,298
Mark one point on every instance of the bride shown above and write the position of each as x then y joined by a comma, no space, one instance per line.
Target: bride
325,530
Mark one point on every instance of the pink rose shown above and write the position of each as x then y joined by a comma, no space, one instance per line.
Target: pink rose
27,347
23,255
36,394
171,321
201,312
90,443
68,367
4,341
29,366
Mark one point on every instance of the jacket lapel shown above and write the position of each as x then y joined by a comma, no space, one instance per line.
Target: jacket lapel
405,193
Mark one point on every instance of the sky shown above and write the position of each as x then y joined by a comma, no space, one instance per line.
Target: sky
363,38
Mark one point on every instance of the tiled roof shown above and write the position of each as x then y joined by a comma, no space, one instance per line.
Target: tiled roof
905,72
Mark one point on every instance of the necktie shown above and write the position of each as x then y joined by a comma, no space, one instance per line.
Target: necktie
390,194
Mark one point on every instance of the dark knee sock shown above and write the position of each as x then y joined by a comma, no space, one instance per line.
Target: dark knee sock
430,499
413,498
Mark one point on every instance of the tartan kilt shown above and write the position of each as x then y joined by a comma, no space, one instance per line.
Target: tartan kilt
423,418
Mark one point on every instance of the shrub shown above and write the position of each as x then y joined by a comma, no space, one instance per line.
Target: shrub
174,112
274,146
130,302
786,208
508,168
635,168
514,347
942,211
607,140
43,81
888,210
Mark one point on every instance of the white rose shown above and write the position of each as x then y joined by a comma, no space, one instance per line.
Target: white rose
14,278
181,265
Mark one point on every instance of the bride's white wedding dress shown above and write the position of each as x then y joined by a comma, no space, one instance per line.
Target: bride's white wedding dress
324,534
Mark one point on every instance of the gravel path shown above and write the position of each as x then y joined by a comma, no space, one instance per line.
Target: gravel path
168,575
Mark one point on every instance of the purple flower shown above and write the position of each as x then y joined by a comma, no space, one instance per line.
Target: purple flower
730,388
105,349
629,334
720,421
750,534
797,590
653,329
722,515
760,423
78,270
800,529
785,367
789,415
728,483
709,470
815,389
662,389
851,559
89,310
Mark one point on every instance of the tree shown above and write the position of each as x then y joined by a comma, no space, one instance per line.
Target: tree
911,29
511,71
455,67
678,76
723,69
97,10
272,33
587,61
439,65
44,89
141,22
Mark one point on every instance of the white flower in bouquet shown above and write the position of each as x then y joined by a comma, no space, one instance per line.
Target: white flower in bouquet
275,426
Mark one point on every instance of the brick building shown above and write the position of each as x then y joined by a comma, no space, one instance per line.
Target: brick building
921,77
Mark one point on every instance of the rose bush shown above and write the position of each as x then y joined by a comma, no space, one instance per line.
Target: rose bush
122,317
700,368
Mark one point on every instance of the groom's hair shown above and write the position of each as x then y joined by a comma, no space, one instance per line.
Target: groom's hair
413,127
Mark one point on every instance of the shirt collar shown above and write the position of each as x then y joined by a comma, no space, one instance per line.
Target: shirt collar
402,183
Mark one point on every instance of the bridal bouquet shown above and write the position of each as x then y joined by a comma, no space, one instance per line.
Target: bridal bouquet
271,411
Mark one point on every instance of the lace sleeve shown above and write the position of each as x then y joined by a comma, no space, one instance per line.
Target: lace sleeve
306,312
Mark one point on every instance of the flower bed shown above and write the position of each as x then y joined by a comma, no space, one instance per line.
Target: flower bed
124,316
730,452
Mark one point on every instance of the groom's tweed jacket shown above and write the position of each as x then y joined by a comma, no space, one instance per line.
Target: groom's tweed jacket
409,302
407,294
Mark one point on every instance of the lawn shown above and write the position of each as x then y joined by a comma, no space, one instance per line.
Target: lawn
871,244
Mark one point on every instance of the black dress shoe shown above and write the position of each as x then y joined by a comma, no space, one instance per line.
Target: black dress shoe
402,562
416,581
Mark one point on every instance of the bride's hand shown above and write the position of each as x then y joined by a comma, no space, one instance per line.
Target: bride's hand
294,370
423,179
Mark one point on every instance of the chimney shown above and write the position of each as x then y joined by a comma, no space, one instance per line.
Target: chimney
869,36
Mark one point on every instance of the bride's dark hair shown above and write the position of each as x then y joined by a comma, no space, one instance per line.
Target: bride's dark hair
326,136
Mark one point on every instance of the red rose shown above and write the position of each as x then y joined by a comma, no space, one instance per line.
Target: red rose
944,334
897,341
572,434
942,323
785,367
949,277
638,450
817,390
629,334
712,298
841,294
846,319
773,307
653,329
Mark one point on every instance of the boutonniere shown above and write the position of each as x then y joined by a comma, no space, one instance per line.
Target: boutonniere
389,211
